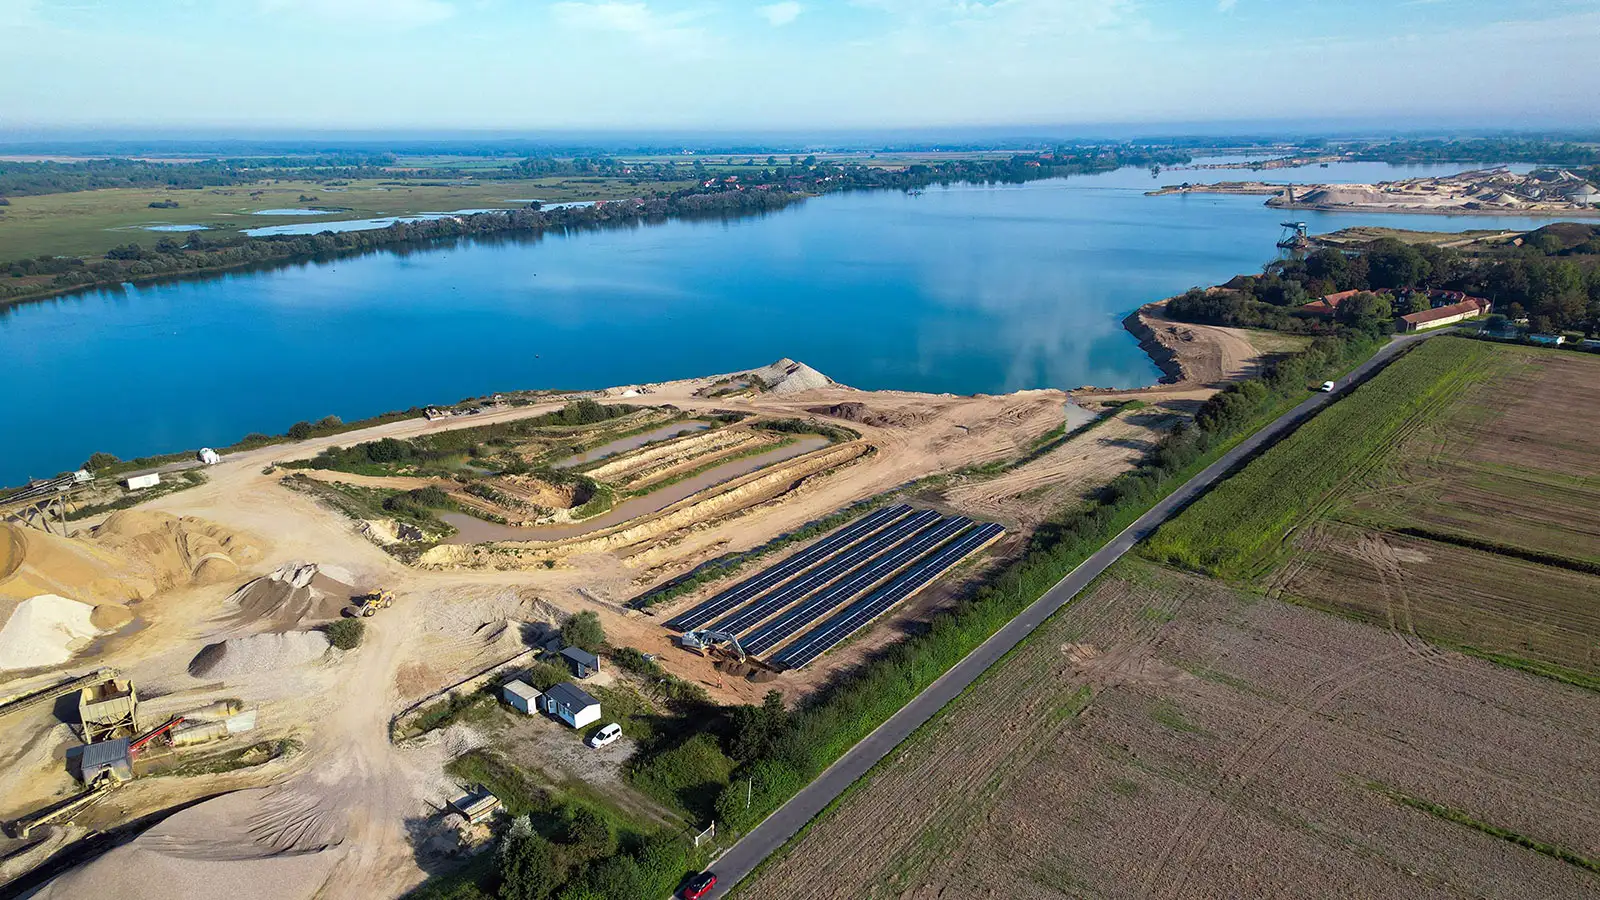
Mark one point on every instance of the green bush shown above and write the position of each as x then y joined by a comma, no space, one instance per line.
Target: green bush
585,631
587,834
346,634
688,776
98,461
528,865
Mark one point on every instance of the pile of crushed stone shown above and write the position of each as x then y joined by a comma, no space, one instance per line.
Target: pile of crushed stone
292,594
247,845
258,653
789,377
45,631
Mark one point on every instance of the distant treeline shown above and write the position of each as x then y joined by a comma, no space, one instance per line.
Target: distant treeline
198,253
22,179
1553,278
1482,150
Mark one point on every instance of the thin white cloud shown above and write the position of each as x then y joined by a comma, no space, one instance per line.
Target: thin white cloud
383,13
781,14
1226,5
672,31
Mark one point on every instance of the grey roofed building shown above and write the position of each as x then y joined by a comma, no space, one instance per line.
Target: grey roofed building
101,757
570,695
581,662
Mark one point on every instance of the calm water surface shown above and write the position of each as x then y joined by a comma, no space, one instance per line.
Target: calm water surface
965,289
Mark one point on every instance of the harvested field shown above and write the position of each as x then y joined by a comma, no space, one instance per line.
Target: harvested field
1455,497
1166,736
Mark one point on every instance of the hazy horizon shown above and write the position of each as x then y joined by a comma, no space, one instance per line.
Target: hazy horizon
470,67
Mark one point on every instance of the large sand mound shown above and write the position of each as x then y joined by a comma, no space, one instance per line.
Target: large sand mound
291,595
789,377
173,550
45,631
248,845
258,653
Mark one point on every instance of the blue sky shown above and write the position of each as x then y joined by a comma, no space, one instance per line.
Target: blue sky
716,64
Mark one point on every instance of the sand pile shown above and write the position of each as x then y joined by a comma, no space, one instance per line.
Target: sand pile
789,377
292,594
45,631
175,551
860,412
247,845
258,653
40,563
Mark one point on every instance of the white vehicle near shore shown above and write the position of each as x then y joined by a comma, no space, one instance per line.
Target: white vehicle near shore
607,735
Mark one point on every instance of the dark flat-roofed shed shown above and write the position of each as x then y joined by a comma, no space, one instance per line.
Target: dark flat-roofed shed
102,758
581,662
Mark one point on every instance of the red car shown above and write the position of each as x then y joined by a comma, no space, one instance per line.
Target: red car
699,886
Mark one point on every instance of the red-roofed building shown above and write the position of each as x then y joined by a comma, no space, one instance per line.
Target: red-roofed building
1445,315
1329,305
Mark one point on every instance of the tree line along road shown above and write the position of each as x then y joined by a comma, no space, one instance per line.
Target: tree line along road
743,857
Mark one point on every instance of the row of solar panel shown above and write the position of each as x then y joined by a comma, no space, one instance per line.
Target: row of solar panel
852,618
752,587
899,548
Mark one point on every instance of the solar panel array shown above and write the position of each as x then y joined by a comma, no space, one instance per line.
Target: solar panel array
751,587
852,576
855,616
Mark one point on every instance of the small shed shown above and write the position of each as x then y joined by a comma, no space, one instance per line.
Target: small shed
522,696
571,704
476,807
140,482
106,759
581,662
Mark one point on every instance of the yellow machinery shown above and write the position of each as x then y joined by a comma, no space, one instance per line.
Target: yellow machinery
369,604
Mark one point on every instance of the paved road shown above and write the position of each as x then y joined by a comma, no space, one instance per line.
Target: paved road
771,834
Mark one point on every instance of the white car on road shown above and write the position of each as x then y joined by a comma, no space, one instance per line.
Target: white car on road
1327,387
606,735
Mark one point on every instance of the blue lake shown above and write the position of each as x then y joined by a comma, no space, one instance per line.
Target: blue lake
963,289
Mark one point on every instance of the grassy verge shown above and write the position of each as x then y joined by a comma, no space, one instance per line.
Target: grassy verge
1242,528
181,482
360,502
1535,667
233,760
1461,817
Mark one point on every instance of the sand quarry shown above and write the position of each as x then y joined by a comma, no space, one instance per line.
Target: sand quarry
217,594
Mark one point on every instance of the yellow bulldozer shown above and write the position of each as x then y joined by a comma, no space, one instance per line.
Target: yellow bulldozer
368,604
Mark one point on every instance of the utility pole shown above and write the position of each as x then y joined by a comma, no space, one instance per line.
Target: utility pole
749,787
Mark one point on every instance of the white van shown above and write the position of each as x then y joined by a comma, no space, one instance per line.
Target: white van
1327,387
606,735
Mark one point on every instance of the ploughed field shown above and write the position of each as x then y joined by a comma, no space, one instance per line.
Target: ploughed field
1456,497
1170,736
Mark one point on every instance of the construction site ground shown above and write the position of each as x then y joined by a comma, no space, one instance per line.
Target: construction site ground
339,815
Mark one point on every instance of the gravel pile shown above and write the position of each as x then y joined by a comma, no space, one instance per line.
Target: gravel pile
789,377
258,653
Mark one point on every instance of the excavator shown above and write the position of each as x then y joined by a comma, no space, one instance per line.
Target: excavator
368,604
705,639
